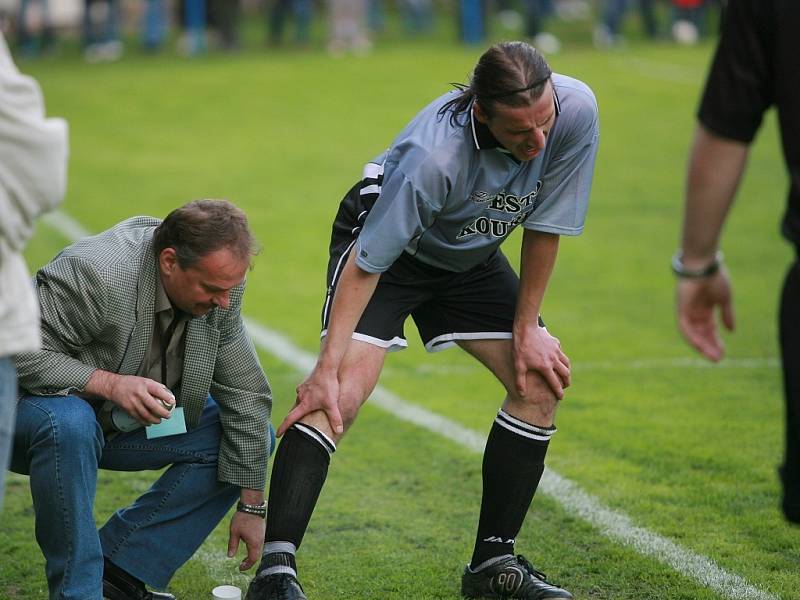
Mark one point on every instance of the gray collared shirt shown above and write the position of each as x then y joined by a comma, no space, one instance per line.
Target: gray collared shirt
443,196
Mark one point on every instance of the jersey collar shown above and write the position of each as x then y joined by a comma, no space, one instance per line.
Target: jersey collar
481,135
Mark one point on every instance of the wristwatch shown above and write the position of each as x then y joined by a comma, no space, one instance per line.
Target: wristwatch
259,510
706,271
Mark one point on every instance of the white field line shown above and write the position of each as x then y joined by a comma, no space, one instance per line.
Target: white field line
568,494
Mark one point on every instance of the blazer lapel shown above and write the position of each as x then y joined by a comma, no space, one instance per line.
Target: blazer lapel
200,356
145,307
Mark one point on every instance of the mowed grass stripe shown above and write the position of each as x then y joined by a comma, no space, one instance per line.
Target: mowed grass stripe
568,494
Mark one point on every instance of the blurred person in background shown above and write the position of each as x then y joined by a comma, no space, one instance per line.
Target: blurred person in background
420,235
688,20
417,16
154,25
101,31
347,27
35,32
755,67
302,11
33,177
608,31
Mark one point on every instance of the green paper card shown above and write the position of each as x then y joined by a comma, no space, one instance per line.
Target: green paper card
175,425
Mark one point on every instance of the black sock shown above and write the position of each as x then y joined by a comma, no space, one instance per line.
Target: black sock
298,474
513,463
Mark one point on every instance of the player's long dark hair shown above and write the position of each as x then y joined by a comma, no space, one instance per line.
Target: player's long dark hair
510,73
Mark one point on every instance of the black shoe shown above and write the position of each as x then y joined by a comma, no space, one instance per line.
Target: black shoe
278,586
120,585
509,578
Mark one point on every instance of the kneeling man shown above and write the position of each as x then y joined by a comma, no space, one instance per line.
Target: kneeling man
141,326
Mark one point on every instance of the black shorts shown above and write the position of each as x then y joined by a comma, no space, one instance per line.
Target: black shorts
446,306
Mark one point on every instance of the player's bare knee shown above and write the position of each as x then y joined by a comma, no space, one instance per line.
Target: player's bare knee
351,399
538,397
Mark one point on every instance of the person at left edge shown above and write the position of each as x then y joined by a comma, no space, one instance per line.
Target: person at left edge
128,315
33,178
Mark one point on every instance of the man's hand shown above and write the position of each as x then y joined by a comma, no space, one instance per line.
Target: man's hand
250,530
695,302
320,391
534,349
143,399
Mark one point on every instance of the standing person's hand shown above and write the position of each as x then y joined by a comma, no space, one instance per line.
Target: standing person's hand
534,349
320,391
696,300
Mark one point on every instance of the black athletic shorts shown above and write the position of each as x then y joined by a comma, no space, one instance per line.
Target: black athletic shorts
446,306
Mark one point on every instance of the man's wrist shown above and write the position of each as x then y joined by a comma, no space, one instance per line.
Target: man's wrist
251,496
680,269
101,384
258,510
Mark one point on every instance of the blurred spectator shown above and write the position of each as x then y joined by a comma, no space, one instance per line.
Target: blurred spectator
36,37
417,15
198,17
101,41
348,27
472,21
532,17
688,20
301,10
154,24
376,15
224,17
608,31
536,12
33,175
194,23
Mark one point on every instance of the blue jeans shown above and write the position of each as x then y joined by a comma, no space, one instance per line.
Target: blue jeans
8,403
59,443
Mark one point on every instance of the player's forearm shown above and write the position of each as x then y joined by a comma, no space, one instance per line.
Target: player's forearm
353,292
715,168
539,251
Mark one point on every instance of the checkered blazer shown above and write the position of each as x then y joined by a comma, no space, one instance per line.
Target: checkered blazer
97,300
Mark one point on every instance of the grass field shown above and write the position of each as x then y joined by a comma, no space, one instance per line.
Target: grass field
684,449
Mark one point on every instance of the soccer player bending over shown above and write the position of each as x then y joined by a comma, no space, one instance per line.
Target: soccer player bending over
420,235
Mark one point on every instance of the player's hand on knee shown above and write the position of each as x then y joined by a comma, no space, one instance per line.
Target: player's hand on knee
320,391
534,349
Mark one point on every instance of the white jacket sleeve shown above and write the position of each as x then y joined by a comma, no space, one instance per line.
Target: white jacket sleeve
33,154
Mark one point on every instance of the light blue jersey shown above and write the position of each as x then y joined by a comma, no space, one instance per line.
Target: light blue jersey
449,196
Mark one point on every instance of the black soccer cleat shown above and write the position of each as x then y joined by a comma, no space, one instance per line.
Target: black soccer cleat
121,585
509,578
278,586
